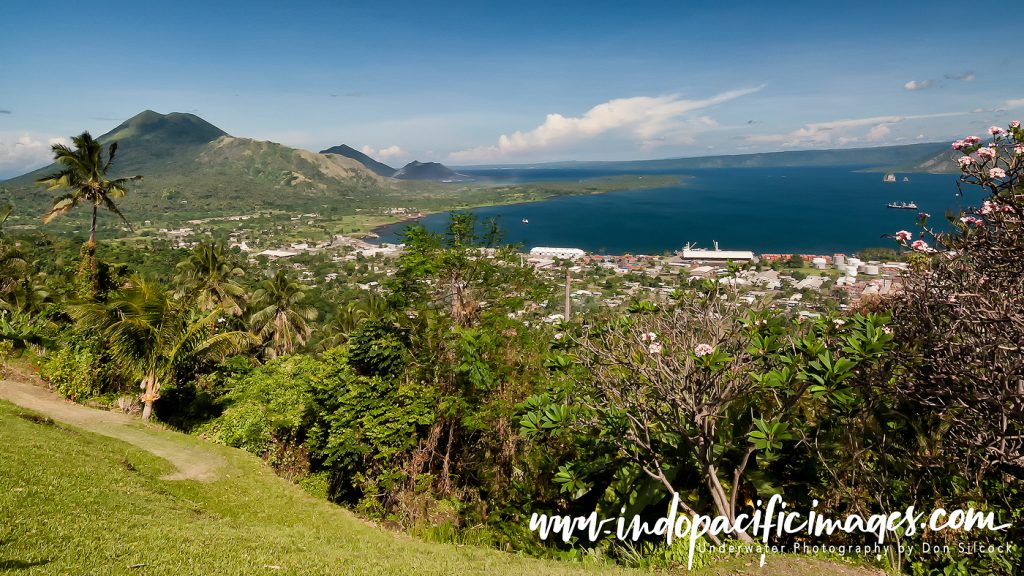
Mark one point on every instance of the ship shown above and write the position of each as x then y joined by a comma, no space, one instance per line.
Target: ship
904,205
890,177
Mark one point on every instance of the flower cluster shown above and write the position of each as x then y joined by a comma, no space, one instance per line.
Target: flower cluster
993,161
995,165
651,339
921,246
703,350
989,207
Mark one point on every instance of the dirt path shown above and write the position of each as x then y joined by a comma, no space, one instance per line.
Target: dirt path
192,462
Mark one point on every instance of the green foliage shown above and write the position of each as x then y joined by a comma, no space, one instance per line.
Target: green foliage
6,349
378,348
72,372
273,402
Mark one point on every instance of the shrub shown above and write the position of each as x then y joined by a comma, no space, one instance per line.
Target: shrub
6,346
72,372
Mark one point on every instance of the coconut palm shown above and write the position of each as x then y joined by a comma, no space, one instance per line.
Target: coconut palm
348,316
84,173
5,213
156,337
207,276
279,316
13,267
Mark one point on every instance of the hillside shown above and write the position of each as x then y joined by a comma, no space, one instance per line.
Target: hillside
378,168
153,514
192,167
430,171
942,163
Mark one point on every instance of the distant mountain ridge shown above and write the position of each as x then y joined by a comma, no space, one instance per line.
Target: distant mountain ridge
430,171
377,167
881,157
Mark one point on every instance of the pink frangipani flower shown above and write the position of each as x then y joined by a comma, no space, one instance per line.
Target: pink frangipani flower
986,152
921,246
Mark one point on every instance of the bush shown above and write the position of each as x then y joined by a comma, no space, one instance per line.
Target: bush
72,373
272,403
6,346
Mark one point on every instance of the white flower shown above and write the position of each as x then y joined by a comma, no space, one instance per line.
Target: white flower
703,350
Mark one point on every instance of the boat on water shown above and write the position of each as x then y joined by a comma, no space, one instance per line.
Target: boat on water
890,177
904,205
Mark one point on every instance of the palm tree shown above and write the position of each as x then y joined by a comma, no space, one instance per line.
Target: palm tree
84,173
206,275
156,337
13,268
5,213
279,317
348,316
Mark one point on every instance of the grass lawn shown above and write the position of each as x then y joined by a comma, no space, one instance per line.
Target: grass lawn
74,502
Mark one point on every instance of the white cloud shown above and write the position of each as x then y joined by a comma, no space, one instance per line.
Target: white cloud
841,132
650,121
917,85
22,152
879,132
389,152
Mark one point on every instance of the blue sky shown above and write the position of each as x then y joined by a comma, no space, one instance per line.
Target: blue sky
513,82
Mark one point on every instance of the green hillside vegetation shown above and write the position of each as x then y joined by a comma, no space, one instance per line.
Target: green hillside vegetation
436,392
59,520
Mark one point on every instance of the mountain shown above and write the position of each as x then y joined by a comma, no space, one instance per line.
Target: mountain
378,168
941,163
190,165
882,156
430,171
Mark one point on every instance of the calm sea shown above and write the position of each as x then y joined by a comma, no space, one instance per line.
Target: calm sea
803,210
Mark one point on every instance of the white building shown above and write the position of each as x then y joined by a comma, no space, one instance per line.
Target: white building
563,253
